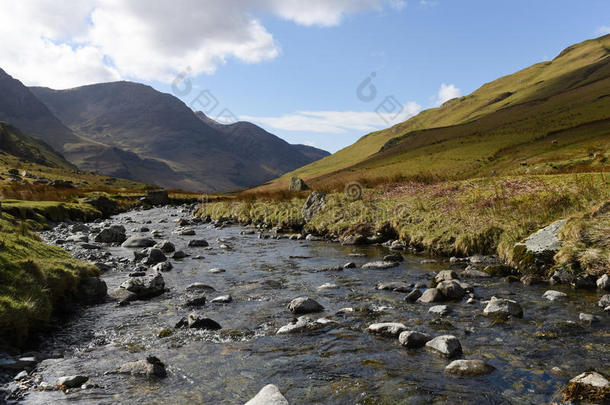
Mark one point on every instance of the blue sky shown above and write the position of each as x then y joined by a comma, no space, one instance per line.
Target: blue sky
413,51
299,73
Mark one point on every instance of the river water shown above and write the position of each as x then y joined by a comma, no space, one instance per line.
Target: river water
338,364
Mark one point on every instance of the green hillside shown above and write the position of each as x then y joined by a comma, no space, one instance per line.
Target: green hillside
553,115
16,143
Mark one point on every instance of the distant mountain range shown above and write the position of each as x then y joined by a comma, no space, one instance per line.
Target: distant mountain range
130,130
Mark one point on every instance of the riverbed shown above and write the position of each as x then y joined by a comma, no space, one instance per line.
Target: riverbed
339,363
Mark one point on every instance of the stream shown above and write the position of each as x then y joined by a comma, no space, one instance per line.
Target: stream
339,363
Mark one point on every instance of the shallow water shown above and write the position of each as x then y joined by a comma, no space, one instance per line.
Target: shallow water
339,364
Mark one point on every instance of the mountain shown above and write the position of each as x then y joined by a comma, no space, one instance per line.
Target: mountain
28,149
255,144
21,108
548,118
159,128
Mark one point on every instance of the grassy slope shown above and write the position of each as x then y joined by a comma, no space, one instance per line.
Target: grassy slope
519,112
34,277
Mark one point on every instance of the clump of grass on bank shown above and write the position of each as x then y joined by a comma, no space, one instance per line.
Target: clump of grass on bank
486,215
35,278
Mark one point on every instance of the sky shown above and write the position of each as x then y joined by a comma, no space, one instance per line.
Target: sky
316,72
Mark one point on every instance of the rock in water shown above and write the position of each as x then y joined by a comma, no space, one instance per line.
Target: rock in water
469,367
447,345
604,301
151,367
553,295
389,329
196,322
440,310
413,295
268,395
313,205
198,243
139,288
503,308
303,323
138,242
304,305
222,299
431,295
589,387
603,283
445,275
380,265
165,246
451,290
72,381
155,256
112,234
412,339
297,184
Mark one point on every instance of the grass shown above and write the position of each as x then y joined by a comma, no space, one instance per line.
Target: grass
35,278
484,215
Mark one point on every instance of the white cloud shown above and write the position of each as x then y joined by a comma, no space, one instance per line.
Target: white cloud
63,44
337,122
604,30
446,93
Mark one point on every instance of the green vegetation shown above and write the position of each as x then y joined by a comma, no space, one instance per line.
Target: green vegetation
485,215
550,118
35,279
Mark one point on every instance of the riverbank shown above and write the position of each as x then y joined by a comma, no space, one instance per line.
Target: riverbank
39,280
458,218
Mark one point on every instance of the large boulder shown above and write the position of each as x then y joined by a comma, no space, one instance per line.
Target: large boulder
297,184
304,305
431,295
268,395
111,234
313,205
535,254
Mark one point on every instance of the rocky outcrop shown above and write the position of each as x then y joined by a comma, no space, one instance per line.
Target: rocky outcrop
313,205
297,184
535,254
